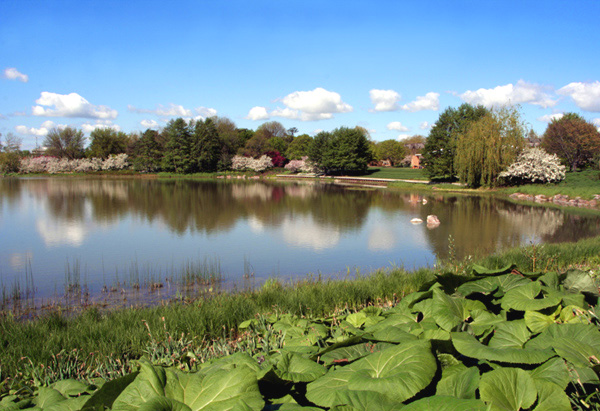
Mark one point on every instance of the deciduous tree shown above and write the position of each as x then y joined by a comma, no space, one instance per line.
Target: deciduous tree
66,142
391,150
575,140
107,141
488,146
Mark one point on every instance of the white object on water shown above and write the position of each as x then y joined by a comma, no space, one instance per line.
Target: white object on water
416,221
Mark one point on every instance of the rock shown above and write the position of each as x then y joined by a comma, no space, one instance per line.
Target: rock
433,219
416,221
424,201
596,196
515,196
540,198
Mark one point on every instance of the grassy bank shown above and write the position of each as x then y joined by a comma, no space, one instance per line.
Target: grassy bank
399,173
584,184
101,343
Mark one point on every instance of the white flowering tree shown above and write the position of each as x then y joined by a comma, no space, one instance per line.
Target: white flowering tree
53,165
534,165
304,166
242,163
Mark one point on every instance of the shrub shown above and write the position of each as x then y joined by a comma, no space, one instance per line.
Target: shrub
115,162
248,163
534,166
9,162
277,159
303,166
53,165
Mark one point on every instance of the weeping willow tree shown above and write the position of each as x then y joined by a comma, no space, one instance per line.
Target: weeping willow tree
489,145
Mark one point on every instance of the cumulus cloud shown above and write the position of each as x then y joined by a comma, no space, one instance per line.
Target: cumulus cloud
12,73
258,113
585,95
425,125
522,92
549,117
318,104
403,137
385,100
89,127
149,123
41,131
70,105
176,110
430,101
396,125
205,112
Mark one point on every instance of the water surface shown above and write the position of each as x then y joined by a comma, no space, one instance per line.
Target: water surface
105,231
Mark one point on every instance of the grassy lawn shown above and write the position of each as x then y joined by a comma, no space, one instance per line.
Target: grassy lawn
402,173
584,184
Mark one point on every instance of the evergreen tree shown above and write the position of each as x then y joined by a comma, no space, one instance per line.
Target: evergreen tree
179,147
148,152
207,146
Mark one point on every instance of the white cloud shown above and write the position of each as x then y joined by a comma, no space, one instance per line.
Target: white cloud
258,113
70,105
522,92
585,95
12,73
172,110
596,122
396,125
149,123
42,131
285,113
429,101
205,112
425,125
318,104
549,117
88,127
385,100
403,137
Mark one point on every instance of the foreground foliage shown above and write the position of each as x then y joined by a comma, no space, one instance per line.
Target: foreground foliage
494,339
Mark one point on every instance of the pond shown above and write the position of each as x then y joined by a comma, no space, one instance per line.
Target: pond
100,235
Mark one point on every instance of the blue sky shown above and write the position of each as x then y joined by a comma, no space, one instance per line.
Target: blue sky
389,66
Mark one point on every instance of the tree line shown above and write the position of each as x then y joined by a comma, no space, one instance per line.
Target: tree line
210,144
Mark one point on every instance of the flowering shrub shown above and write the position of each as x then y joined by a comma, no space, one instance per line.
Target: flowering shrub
534,166
249,163
277,159
115,162
53,165
304,166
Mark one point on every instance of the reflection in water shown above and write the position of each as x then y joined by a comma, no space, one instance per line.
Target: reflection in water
296,227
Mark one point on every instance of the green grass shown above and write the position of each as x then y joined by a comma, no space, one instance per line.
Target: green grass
400,173
584,184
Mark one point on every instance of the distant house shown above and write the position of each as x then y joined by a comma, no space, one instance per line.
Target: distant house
415,161
39,151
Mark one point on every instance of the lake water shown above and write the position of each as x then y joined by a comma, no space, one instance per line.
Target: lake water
99,232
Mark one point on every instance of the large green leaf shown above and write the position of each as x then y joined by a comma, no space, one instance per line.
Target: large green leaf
510,334
523,298
459,381
578,281
164,404
106,395
394,320
551,397
468,346
47,397
489,285
295,368
398,373
364,401
149,383
554,370
538,322
220,389
508,389
392,335
449,312
483,271
445,403
70,404
352,353
71,388
576,343
484,321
